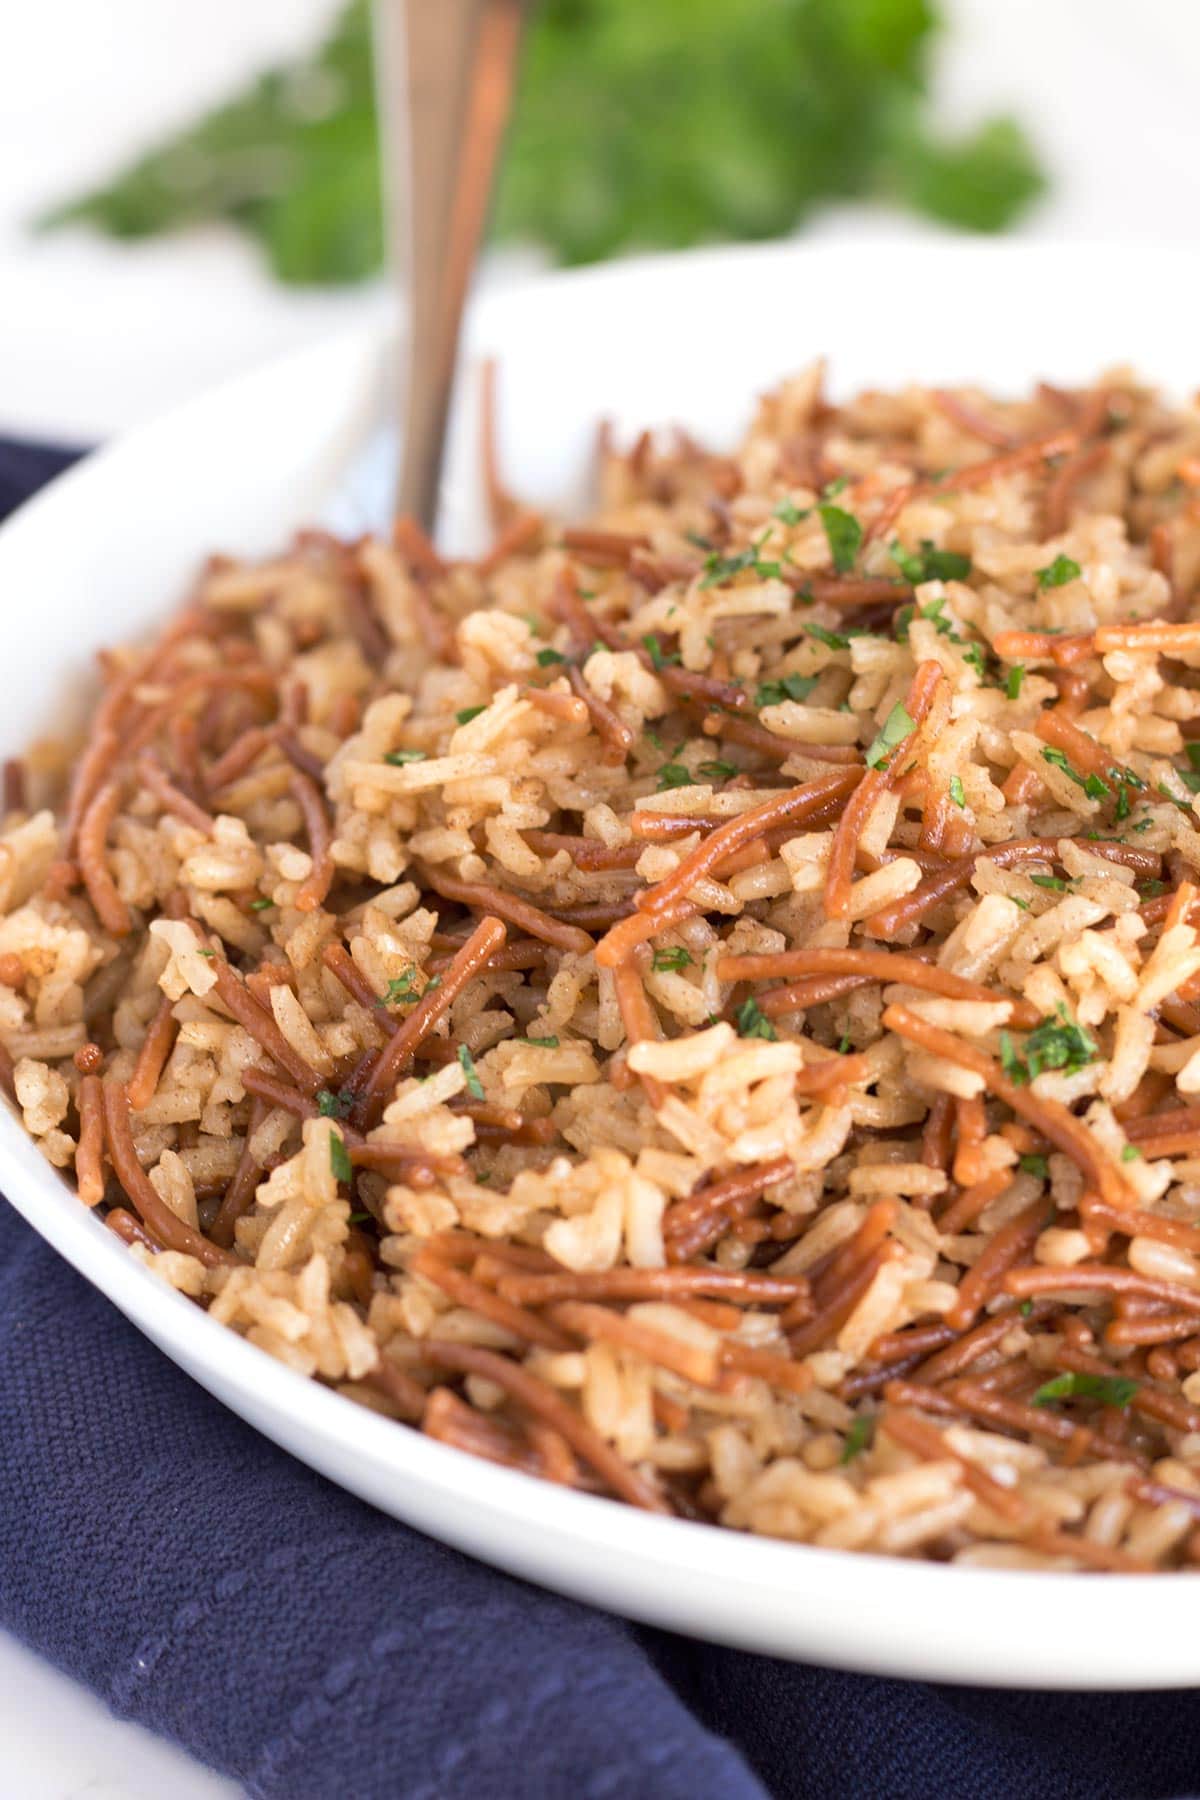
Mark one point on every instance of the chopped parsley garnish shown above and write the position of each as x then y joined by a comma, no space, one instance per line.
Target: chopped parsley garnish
1035,1165
1059,572
468,713
930,564
790,513
1025,1308
858,1438
901,623
1109,1390
658,656
400,988
788,687
752,1022
359,1218
1130,1153
833,488
334,1106
1150,890
1054,882
209,953
719,568
673,775
398,758
845,1045
898,726
1093,787
545,658
339,1159
671,959
832,640
844,535
1055,1044
1016,675
1166,793
546,1043
474,1085
534,624
261,905
956,791
718,771
974,657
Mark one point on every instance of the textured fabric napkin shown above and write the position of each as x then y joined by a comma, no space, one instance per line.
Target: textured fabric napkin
203,1583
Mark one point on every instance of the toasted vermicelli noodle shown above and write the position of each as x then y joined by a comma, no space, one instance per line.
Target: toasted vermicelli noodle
699,1005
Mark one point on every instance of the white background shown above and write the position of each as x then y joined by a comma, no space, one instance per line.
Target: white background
95,336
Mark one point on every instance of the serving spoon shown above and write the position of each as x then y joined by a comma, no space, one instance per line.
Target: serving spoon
445,78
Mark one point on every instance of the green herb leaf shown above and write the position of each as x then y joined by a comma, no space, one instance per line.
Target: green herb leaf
1054,882
752,1022
359,1218
956,791
788,687
833,640
843,534
543,1043
776,109
1035,1165
398,758
657,655
1025,1308
1109,1390
1012,686
261,905
790,513
845,1045
468,713
858,1438
547,658
673,775
474,1085
974,657
334,1106
718,569
1056,1044
208,953
1130,1153
671,959
1181,805
1093,787
339,1159
718,771
898,726
1058,573
401,987
930,563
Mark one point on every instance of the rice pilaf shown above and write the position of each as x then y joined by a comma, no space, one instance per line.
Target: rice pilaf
702,1006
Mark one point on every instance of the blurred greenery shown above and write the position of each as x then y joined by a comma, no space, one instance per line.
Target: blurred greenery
638,123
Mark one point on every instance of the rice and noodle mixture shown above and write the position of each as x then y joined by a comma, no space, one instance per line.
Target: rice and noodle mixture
702,1007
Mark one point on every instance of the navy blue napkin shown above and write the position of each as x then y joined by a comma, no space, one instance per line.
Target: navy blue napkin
206,1585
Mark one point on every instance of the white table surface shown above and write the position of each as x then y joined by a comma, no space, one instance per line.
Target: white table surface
95,337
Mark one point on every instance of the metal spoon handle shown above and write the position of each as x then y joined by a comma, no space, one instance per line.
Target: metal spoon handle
446,72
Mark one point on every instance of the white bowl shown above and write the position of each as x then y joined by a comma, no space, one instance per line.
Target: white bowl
106,552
